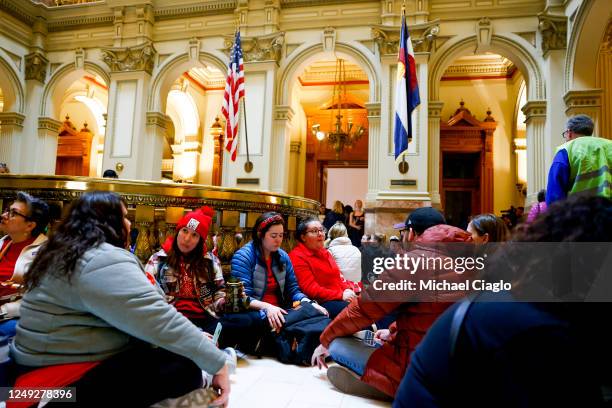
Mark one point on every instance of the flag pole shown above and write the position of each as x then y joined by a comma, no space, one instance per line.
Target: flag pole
248,166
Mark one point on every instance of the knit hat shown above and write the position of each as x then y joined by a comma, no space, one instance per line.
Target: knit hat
198,221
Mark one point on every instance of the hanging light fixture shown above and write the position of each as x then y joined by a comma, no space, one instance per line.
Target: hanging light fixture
343,132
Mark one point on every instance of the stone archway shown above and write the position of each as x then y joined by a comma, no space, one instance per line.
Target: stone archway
11,85
517,50
291,68
11,116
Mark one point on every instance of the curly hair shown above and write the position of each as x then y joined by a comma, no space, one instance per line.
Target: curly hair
96,217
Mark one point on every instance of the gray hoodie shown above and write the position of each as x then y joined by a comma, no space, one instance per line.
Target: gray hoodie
108,304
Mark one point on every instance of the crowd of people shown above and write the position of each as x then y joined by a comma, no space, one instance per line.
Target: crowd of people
84,312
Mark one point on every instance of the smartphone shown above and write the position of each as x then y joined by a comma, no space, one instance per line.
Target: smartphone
217,333
368,338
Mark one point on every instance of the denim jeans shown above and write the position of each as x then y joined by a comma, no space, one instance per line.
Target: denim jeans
351,353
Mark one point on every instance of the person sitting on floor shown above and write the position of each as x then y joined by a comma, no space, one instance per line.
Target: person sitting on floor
376,372
347,256
317,273
91,319
269,281
24,224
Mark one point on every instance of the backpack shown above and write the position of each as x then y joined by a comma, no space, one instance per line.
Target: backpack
300,335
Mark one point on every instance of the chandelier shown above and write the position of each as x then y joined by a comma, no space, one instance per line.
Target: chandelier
343,132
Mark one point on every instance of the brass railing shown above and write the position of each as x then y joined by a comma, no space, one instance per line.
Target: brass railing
155,207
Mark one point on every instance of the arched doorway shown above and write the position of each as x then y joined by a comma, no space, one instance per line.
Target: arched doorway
335,169
190,93
78,99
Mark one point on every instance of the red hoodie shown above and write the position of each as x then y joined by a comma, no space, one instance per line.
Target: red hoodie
317,274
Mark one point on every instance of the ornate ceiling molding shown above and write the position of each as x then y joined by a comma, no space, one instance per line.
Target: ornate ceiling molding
36,67
138,58
19,10
198,10
553,30
311,3
481,68
423,37
258,49
64,24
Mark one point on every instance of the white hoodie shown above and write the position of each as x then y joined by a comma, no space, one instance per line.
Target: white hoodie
348,258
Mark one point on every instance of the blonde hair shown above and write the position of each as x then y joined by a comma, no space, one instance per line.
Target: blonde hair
337,230
338,208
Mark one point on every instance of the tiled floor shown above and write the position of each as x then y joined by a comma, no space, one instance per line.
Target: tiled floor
267,383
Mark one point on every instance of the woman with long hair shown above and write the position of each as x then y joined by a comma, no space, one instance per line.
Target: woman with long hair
189,274
486,228
92,319
335,215
356,224
269,281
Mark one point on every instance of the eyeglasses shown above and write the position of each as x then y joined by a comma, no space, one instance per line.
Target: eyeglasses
564,134
275,235
317,231
13,213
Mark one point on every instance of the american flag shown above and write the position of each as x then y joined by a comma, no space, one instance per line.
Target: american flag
234,90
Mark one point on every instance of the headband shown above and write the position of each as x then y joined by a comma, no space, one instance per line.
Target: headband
269,221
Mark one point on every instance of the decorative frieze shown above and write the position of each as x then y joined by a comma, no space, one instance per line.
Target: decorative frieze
283,113
12,119
195,10
373,110
157,119
423,37
36,67
534,109
138,58
257,49
49,124
553,30
589,98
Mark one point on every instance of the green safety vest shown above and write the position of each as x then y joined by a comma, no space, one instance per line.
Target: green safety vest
590,160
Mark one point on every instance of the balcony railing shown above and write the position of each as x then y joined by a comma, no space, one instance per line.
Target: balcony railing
154,208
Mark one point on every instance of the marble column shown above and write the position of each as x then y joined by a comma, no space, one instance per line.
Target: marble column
588,102
537,171
11,125
279,149
374,142
48,130
294,160
434,115
130,139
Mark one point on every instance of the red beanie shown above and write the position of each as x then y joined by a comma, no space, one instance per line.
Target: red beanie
198,221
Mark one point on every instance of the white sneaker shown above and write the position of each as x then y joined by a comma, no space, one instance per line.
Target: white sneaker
232,359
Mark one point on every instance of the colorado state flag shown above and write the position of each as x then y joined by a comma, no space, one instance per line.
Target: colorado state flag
407,92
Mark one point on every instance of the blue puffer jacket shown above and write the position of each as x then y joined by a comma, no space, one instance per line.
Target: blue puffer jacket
248,266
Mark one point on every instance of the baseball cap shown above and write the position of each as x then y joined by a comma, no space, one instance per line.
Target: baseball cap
400,226
423,218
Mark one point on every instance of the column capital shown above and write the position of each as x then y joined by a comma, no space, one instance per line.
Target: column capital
584,98
283,112
137,58
157,119
266,47
373,109
534,109
36,67
11,119
295,147
553,29
434,109
49,124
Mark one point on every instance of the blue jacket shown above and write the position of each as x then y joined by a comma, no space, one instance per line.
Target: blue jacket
249,267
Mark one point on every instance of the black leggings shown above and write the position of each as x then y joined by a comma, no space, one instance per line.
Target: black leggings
135,378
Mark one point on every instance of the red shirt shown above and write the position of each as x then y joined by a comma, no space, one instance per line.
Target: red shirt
271,295
9,258
187,300
317,274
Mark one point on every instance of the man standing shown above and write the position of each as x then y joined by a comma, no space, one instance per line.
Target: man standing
582,165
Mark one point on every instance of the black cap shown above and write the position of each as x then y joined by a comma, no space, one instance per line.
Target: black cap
423,218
